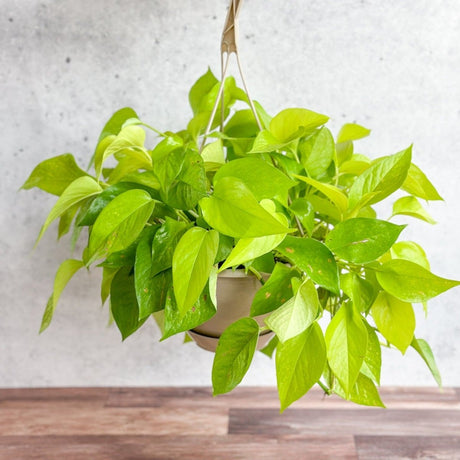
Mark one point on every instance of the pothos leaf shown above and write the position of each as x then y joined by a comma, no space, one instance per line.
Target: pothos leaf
234,354
191,265
299,364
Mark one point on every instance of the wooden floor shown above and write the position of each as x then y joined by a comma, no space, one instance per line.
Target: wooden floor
188,423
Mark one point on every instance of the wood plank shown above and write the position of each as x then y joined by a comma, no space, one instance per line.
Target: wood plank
345,421
408,447
173,447
457,391
44,397
267,397
116,421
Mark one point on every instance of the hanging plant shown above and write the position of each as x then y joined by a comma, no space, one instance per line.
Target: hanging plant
275,201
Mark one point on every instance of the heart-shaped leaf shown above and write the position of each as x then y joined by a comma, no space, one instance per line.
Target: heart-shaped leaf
191,265
299,364
362,240
313,257
234,354
233,210
411,282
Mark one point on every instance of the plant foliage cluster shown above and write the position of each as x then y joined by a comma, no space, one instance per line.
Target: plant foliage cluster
289,201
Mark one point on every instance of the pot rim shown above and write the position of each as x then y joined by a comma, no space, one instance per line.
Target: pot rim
240,273
218,337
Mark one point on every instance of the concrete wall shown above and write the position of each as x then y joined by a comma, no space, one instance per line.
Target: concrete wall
65,66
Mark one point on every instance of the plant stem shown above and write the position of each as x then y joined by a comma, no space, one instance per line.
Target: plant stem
324,387
297,221
182,215
256,274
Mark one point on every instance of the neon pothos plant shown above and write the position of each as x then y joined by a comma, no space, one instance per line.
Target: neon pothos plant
286,200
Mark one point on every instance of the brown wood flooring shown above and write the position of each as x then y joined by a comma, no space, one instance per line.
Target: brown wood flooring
188,423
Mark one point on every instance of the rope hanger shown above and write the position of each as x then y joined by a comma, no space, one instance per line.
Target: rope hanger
229,45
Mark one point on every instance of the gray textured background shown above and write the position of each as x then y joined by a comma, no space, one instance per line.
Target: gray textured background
65,66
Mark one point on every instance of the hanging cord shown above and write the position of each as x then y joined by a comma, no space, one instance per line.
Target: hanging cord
228,46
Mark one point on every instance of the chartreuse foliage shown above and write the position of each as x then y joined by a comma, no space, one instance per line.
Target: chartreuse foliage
287,203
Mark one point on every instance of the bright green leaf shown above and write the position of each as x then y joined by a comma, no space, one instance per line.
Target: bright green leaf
105,197
317,152
266,142
364,392
325,207
297,314
275,292
200,89
191,265
108,273
64,274
410,206
290,123
65,221
242,124
182,177
424,350
417,184
299,364
314,258
130,137
395,320
361,291
352,132
262,179
408,250
248,249
346,339
381,179
175,322
79,190
233,210
333,193
234,354
410,282
362,240
372,364
119,223
55,174
213,154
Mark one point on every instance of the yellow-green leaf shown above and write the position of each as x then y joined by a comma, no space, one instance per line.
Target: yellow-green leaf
410,206
234,354
55,174
191,265
352,132
297,314
408,250
299,364
333,193
346,340
80,189
119,223
411,282
417,184
233,210
381,179
64,274
394,319
289,123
